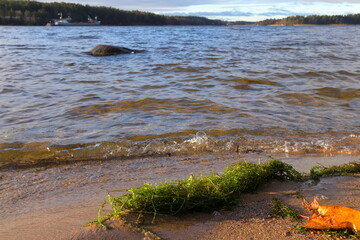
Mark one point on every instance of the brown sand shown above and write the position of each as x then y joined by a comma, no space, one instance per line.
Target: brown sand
54,203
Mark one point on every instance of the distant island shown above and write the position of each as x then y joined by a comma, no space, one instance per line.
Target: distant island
32,13
313,20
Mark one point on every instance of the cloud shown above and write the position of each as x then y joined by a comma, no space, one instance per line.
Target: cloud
333,1
232,9
227,13
278,9
236,15
166,4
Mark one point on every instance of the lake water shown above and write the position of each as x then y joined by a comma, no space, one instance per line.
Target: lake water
288,90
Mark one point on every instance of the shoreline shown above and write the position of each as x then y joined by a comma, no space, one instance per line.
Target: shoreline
293,25
55,202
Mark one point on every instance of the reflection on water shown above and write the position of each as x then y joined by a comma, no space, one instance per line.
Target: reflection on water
286,89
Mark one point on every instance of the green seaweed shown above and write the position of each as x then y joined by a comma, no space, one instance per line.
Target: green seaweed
345,169
100,219
200,194
340,234
329,233
217,191
280,209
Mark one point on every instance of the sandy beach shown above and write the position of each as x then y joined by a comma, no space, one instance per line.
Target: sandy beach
55,202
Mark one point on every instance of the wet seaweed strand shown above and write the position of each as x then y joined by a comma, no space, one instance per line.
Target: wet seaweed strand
205,193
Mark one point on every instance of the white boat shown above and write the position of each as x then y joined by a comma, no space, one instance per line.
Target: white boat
67,22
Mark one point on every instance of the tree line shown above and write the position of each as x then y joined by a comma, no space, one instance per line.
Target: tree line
25,12
313,19
28,12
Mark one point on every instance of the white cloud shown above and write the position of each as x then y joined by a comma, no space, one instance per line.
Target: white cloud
259,11
233,9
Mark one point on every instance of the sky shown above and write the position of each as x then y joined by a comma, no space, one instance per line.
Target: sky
232,10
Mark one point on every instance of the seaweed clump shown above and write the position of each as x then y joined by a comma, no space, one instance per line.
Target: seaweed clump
199,194
280,209
345,169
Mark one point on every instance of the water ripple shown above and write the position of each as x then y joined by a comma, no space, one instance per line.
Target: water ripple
190,79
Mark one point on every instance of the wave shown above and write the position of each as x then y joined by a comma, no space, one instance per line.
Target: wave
247,81
187,142
158,106
338,93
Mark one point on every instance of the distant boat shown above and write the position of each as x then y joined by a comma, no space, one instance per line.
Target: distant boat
67,22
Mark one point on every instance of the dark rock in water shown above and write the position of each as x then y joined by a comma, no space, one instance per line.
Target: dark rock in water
108,50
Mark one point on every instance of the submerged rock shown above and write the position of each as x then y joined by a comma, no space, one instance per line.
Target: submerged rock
108,50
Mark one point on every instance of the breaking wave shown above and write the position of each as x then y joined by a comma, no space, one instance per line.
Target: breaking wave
31,154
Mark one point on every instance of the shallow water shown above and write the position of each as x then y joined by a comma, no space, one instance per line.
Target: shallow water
195,89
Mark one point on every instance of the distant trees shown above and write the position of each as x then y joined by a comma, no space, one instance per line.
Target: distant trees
193,20
21,12
238,23
267,22
314,19
25,12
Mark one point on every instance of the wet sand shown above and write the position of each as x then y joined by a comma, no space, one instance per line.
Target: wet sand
55,202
